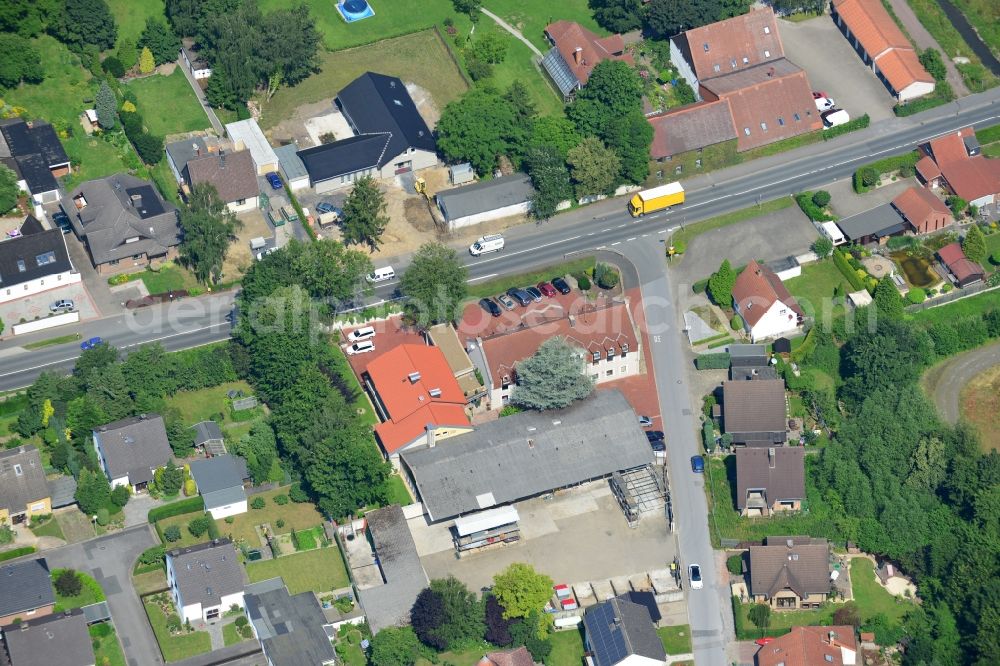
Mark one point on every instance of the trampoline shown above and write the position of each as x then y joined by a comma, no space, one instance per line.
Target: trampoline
354,10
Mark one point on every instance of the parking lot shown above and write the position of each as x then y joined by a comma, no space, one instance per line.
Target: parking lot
579,535
37,306
831,63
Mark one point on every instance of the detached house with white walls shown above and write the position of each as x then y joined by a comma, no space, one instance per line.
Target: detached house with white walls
32,150
767,308
34,261
131,450
205,580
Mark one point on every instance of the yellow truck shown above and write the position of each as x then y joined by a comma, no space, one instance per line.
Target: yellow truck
658,198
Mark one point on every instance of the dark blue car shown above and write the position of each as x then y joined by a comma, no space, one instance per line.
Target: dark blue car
274,179
91,343
697,464
327,207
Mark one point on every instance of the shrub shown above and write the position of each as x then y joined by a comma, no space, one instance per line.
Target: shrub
736,323
606,276
946,287
178,508
172,533
869,176
821,198
100,630
478,69
280,522
916,295
813,212
190,488
199,525
297,494
68,583
281,500
995,258
103,516
113,66
230,520
258,503
174,624
716,361
119,496
735,564
582,281
153,555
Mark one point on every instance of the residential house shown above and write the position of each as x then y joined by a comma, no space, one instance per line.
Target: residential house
811,646
691,127
247,135
770,480
205,580
575,52
965,270
923,210
513,657
25,591
221,482
445,338
875,225
485,200
416,397
883,47
291,629
754,412
32,150
34,261
391,137
741,61
131,450
208,437
767,308
24,493
55,640
964,171
621,632
747,362
790,573
124,222
193,60
232,174
605,337
296,176
179,153
388,601
527,454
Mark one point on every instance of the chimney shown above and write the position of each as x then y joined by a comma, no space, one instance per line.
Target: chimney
197,149
222,159
770,456
431,439
136,200
789,543
770,72
578,55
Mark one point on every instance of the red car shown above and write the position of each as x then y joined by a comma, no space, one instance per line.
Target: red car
547,289
819,94
764,641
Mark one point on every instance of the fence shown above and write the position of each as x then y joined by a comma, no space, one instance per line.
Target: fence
956,295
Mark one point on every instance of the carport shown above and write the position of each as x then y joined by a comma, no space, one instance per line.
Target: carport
640,492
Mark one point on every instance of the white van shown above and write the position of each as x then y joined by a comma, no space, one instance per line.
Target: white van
381,275
834,117
360,347
362,333
257,243
492,243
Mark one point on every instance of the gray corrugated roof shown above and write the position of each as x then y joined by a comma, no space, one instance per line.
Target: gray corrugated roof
882,220
389,605
220,479
619,628
528,454
135,447
290,163
62,490
559,71
207,572
206,431
22,478
485,195
25,586
56,640
290,628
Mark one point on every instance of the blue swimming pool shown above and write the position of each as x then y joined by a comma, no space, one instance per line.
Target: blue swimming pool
354,10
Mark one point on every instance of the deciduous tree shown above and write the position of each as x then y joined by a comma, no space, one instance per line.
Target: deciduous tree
80,22
68,583
396,646
27,18
521,590
550,178
20,61
667,18
364,214
453,614
556,132
435,285
209,228
823,247
617,15
594,167
478,128
161,41
552,378
9,191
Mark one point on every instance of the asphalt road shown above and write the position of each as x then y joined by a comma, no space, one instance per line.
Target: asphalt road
949,380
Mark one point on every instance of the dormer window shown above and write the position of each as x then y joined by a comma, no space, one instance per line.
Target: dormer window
611,353
767,54
746,60
746,130
505,381
18,471
797,117
732,63
781,121
624,349
706,47
767,30
763,126
597,357
20,266
46,258
715,67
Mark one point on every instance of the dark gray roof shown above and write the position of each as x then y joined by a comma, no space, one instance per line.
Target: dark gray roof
880,221
559,72
36,173
220,480
800,564
350,155
112,216
37,149
389,605
207,572
55,640
528,454
232,174
755,410
375,103
742,354
98,612
619,628
62,490
778,471
290,628
185,150
290,163
205,431
25,586
135,447
39,254
485,195
22,478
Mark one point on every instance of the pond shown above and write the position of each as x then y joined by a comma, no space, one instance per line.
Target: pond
917,270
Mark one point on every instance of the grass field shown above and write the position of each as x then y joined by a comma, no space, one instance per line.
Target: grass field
871,597
691,231
814,288
398,494
131,16
500,285
993,240
319,570
106,648
958,309
168,105
49,528
348,647
90,594
567,649
175,648
299,516
470,656
519,66
676,639
980,405
420,58
930,14
231,635
207,403
984,15
149,582
361,402
781,623
531,16
181,521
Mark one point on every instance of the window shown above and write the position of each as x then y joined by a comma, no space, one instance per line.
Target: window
597,357
716,67
136,257
706,47
763,126
624,350
18,471
20,265
746,130
610,373
611,353
113,262
622,370
767,30
746,60
781,121
732,63
593,378
241,202
46,258
505,382
678,169
797,117
767,54
697,163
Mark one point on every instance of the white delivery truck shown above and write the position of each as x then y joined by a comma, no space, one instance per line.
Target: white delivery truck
491,243
258,244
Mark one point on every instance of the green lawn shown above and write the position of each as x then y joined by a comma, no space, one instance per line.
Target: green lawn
361,402
348,646
150,582
691,231
500,285
207,403
131,16
958,309
60,340
871,597
781,622
106,648
309,539
168,105
299,516
181,521
470,656
932,17
398,494
165,182
231,635
567,648
676,640
531,16
319,570
984,15
175,648
814,288
90,594
993,240
169,277
49,528
420,58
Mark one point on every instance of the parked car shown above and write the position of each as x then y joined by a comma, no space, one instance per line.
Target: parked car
547,289
654,435
327,207
697,464
61,220
520,295
361,347
645,421
62,305
536,295
694,575
91,343
506,301
659,446
490,307
824,103
274,179
834,117
363,333
561,285
819,93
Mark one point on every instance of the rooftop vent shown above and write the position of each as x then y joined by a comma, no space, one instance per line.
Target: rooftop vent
435,392
414,377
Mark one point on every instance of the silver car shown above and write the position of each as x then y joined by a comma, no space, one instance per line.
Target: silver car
63,305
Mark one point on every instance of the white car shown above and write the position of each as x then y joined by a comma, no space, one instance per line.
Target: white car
694,575
363,333
824,103
360,347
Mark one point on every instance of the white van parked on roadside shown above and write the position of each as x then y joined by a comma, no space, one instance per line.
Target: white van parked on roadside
381,274
491,243
362,333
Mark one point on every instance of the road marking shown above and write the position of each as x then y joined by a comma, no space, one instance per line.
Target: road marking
644,235
616,243
604,230
630,239
663,231
480,278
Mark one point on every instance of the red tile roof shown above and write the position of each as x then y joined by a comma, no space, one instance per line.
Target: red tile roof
902,68
969,177
518,657
950,147
583,50
928,169
409,404
961,266
918,204
811,646
742,41
759,287
691,127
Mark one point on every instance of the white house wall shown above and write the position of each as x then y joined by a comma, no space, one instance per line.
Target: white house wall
618,367
419,159
914,90
221,512
486,216
248,204
297,184
37,286
684,69
775,322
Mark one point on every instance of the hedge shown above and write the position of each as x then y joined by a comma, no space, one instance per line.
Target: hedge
189,505
942,95
298,210
850,126
17,552
717,361
812,211
845,267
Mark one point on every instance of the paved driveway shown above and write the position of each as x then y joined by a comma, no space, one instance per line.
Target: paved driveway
818,47
37,306
109,560
947,380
